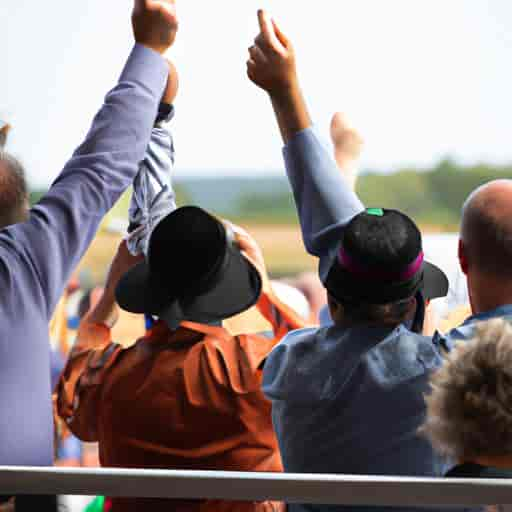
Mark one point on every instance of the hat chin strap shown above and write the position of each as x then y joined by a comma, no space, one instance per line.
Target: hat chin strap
172,315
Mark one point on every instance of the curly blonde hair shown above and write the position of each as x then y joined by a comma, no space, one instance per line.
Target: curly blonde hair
469,410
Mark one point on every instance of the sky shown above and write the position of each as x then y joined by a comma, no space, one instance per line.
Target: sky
421,80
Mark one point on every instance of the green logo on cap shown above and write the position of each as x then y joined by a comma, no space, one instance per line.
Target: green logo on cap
378,212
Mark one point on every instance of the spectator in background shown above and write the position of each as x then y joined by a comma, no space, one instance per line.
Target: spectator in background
362,380
470,405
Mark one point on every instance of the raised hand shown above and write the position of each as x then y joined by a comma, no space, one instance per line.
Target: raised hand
252,251
271,63
155,23
271,66
347,144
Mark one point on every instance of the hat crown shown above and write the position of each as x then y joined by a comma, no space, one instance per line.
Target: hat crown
390,241
186,249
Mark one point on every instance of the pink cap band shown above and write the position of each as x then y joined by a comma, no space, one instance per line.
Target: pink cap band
354,267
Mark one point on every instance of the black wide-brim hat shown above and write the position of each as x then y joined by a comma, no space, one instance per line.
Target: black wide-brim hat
194,271
380,260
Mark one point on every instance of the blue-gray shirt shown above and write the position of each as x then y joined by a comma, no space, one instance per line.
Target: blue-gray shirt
37,257
467,329
345,400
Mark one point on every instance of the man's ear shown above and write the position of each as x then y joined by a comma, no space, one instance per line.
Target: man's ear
463,260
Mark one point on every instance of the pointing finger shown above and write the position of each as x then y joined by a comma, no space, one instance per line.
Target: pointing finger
267,32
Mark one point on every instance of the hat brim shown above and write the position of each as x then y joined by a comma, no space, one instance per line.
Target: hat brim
435,283
345,286
237,289
136,293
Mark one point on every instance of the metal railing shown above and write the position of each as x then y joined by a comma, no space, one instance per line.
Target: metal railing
292,488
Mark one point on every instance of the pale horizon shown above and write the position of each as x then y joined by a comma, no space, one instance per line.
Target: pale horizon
421,81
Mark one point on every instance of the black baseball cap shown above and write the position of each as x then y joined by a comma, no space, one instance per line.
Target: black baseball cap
380,260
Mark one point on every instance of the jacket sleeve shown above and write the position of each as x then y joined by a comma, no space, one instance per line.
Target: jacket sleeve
282,318
324,200
41,253
77,394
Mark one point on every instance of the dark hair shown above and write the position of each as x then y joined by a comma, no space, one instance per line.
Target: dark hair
391,314
390,240
13,191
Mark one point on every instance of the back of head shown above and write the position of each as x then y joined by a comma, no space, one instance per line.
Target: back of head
13,191
470,406
486,230
379,268
388,240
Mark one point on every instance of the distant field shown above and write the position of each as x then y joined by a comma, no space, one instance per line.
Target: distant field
281,244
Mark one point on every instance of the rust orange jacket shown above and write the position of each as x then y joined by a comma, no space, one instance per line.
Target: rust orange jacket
188,399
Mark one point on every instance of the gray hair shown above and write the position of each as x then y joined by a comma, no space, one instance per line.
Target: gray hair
469,409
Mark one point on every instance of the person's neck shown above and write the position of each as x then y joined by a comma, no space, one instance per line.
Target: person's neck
487,293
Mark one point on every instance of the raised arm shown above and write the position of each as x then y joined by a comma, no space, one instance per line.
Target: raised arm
325,200
42,252
153,196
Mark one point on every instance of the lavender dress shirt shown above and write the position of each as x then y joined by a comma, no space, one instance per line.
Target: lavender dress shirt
37,257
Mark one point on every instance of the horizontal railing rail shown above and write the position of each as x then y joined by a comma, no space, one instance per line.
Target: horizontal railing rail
292,488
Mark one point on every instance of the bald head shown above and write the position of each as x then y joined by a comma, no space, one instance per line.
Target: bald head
486,230
13,191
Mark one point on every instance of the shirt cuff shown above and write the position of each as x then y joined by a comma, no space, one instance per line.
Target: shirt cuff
147,68
306,136
165,113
